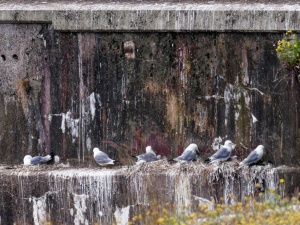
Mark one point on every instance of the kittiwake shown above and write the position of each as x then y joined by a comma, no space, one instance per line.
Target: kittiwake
36,160
189,154
223,153
102,158
149,156
254,156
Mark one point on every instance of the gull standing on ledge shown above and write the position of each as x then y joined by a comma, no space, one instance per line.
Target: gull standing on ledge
149,156
36,160
102,158
189,154
223,153
254,156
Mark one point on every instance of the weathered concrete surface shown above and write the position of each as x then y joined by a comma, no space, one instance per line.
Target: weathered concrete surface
70,92
36,195
155,16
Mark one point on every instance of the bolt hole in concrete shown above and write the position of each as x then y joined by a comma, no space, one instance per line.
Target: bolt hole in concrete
15,57
3,58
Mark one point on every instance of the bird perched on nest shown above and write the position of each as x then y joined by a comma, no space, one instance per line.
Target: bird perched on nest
36,160
189,154
223,153
255,156
149,156
102,158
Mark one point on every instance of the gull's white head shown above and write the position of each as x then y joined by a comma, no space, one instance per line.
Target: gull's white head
150,150
192,147
27,160
260,149
229,145
96,150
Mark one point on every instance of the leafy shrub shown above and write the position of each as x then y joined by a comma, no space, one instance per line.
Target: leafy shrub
288,50
275,210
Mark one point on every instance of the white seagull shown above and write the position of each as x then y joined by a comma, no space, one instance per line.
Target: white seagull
149,156
102,158
223,153
36,160
254,156
189,154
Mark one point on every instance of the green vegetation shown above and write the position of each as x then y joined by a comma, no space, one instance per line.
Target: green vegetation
288,50
275,210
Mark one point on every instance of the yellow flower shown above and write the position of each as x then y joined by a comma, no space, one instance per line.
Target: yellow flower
160,220
289,44
281,181
289,32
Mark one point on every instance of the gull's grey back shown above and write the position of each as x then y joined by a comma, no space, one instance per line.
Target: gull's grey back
187,156
102,157
222,153
148,157
40,159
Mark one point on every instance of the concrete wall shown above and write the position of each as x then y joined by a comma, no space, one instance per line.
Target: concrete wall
68,92
123,76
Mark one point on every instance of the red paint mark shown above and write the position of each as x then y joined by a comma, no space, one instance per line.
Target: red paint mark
63,141
240,151
156,141
159,144
46,105
65,66
180,147
138,143
64,77
104,121
63,89
205,150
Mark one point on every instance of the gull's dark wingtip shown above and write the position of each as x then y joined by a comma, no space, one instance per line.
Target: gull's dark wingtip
51,160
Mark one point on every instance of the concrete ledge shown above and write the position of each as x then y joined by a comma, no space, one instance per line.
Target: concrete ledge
35,194
83,16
